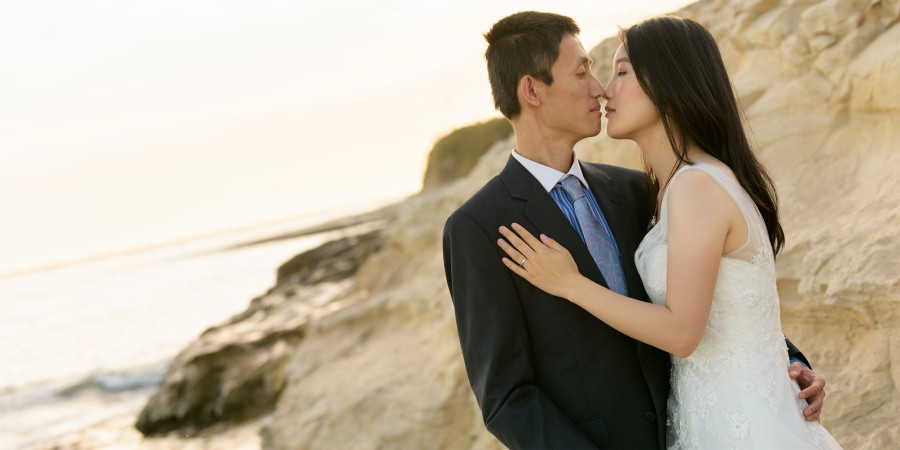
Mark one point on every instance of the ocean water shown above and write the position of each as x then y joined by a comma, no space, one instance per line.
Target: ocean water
86,343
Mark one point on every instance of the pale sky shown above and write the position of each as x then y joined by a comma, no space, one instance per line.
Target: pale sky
124,123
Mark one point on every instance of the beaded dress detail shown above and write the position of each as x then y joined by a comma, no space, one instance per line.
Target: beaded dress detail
733,391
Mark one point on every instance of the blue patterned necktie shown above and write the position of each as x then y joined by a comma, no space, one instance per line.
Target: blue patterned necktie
599,242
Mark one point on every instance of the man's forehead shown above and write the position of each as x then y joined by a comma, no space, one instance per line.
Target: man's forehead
572,49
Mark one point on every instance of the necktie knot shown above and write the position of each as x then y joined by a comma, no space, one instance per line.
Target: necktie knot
572,187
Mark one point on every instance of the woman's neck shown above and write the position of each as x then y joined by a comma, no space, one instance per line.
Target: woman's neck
661,158
658,154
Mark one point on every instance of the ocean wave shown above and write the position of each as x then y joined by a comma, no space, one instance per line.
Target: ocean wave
108,383
114,382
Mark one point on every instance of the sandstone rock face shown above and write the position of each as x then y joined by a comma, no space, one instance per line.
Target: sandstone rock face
379,366
386,370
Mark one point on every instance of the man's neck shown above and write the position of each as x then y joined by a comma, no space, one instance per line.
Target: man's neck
536,146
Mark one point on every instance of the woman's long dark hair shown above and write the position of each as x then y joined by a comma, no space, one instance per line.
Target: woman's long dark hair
678,65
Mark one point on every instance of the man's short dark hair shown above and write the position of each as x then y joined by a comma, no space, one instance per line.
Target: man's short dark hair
525,43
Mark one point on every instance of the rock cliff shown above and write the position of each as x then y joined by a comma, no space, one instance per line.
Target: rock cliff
455,154
378,363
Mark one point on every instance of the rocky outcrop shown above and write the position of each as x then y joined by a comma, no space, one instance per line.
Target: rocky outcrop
378,364
236,371
386,371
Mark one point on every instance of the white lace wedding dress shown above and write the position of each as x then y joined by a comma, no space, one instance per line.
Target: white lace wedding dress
733,391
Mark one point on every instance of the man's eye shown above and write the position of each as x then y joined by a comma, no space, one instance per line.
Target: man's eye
582,74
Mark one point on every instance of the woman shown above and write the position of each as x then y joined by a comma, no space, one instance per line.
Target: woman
708,264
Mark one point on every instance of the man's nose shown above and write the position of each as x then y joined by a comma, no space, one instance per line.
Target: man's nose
598,90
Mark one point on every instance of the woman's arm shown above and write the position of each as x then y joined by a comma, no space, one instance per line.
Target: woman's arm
699,218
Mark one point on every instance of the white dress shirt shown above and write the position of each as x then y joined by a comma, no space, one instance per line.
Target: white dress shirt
548,176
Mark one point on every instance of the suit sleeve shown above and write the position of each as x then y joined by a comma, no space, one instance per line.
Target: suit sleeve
495,344
795,354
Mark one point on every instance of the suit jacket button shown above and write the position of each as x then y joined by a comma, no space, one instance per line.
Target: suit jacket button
649,415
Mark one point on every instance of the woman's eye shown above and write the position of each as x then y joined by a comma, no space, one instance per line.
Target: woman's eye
622,73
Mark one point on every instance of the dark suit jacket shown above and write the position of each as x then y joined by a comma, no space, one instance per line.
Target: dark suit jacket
546,373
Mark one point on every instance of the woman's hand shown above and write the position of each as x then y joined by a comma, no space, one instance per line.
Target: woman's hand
543,263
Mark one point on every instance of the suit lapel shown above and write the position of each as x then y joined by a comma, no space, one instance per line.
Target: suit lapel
618,214
546,217
616,210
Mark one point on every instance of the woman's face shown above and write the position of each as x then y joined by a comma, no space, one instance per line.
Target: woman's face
629,111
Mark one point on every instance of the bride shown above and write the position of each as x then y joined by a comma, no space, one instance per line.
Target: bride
708,264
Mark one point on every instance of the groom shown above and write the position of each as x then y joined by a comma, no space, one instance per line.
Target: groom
545,373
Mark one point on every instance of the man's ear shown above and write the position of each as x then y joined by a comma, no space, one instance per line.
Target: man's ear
530,91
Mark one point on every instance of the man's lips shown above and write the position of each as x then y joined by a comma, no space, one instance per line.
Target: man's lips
597,109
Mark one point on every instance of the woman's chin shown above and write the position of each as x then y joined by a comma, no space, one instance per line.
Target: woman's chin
614,134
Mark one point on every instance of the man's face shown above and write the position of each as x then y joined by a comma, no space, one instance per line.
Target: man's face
570,107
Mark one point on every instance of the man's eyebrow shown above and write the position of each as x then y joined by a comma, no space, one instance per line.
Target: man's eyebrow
585,59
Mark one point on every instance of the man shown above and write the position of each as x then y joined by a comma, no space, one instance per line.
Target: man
545,373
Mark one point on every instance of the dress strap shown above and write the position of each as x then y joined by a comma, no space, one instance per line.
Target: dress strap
757,236
662,206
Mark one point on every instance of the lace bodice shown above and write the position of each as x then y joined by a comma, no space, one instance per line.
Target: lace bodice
733,391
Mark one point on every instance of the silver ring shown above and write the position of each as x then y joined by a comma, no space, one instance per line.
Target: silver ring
523,261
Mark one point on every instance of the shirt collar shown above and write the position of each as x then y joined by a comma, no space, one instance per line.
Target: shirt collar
548,176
